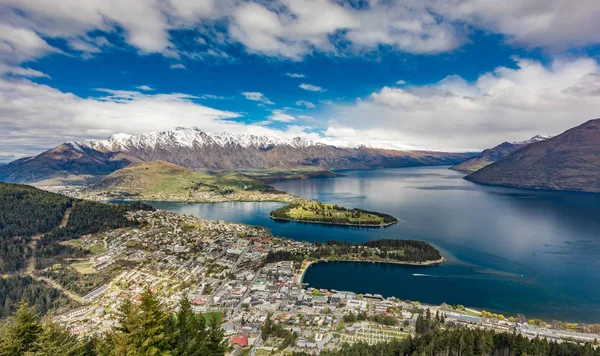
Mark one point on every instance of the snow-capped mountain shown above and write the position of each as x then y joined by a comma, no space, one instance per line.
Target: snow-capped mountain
199,150
181,137
495,154
534,139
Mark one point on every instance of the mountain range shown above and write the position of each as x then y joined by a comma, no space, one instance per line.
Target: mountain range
495,154
569,161
195,149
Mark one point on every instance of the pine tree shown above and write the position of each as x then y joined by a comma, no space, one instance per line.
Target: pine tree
21,332
123,338
56,340
153,336
215,339
190,330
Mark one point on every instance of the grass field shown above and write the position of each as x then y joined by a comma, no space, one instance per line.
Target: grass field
158,180
210,316
84,268
315,211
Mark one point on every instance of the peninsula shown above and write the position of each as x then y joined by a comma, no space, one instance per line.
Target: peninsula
321,213
408,252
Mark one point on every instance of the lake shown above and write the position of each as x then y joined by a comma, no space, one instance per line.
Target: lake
508,250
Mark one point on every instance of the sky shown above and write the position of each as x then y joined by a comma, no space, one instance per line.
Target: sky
454,75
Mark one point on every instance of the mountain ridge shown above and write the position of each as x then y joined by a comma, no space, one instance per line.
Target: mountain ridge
197,150
494,154
569,161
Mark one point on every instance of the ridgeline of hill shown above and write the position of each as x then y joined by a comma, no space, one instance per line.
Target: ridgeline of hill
321,213
163,181
569,161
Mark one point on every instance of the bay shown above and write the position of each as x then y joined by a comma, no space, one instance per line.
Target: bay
508,250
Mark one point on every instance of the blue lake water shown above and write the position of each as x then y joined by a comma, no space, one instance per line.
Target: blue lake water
508,250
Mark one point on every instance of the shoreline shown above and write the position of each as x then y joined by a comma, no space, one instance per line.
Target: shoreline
335,224
405,263
288,198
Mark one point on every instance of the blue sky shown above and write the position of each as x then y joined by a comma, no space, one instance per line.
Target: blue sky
446,75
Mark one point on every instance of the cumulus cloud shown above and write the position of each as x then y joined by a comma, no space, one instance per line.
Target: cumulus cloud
553,24
256,96
505,104
177,66
20,44
36,117
145,87
306,104
310,87
291,29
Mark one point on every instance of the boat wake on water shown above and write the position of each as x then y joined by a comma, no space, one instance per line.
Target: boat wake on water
422,275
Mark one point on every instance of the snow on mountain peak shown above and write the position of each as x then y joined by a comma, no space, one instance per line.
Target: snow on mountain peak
534,139
190,137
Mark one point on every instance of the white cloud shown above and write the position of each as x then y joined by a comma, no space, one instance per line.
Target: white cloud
295,75
401,82
177,66
555,24
279,115
145,88
21,71
256,96
310,87
19,44
212,97
292,29
506,104
306,104
35,117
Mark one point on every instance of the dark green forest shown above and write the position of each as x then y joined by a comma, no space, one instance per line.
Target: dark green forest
391,249
37,294
26,211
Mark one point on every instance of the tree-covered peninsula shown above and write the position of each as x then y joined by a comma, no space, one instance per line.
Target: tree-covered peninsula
321,213
386,250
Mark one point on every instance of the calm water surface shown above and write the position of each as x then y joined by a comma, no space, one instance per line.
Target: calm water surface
509,250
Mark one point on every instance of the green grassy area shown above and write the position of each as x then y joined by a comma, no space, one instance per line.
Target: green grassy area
210,316
317,212
156,179
84,268
268,176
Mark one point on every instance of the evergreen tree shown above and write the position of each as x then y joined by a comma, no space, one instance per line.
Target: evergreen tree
122,340
56,340
190,331
21,332
215,342
153,336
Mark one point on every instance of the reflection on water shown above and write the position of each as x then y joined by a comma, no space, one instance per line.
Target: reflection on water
534,252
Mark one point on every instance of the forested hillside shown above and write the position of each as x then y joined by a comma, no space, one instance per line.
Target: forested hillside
34,221
37,294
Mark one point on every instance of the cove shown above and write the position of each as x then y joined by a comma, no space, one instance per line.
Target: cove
508,250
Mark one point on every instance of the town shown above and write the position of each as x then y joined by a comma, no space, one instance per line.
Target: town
227,271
